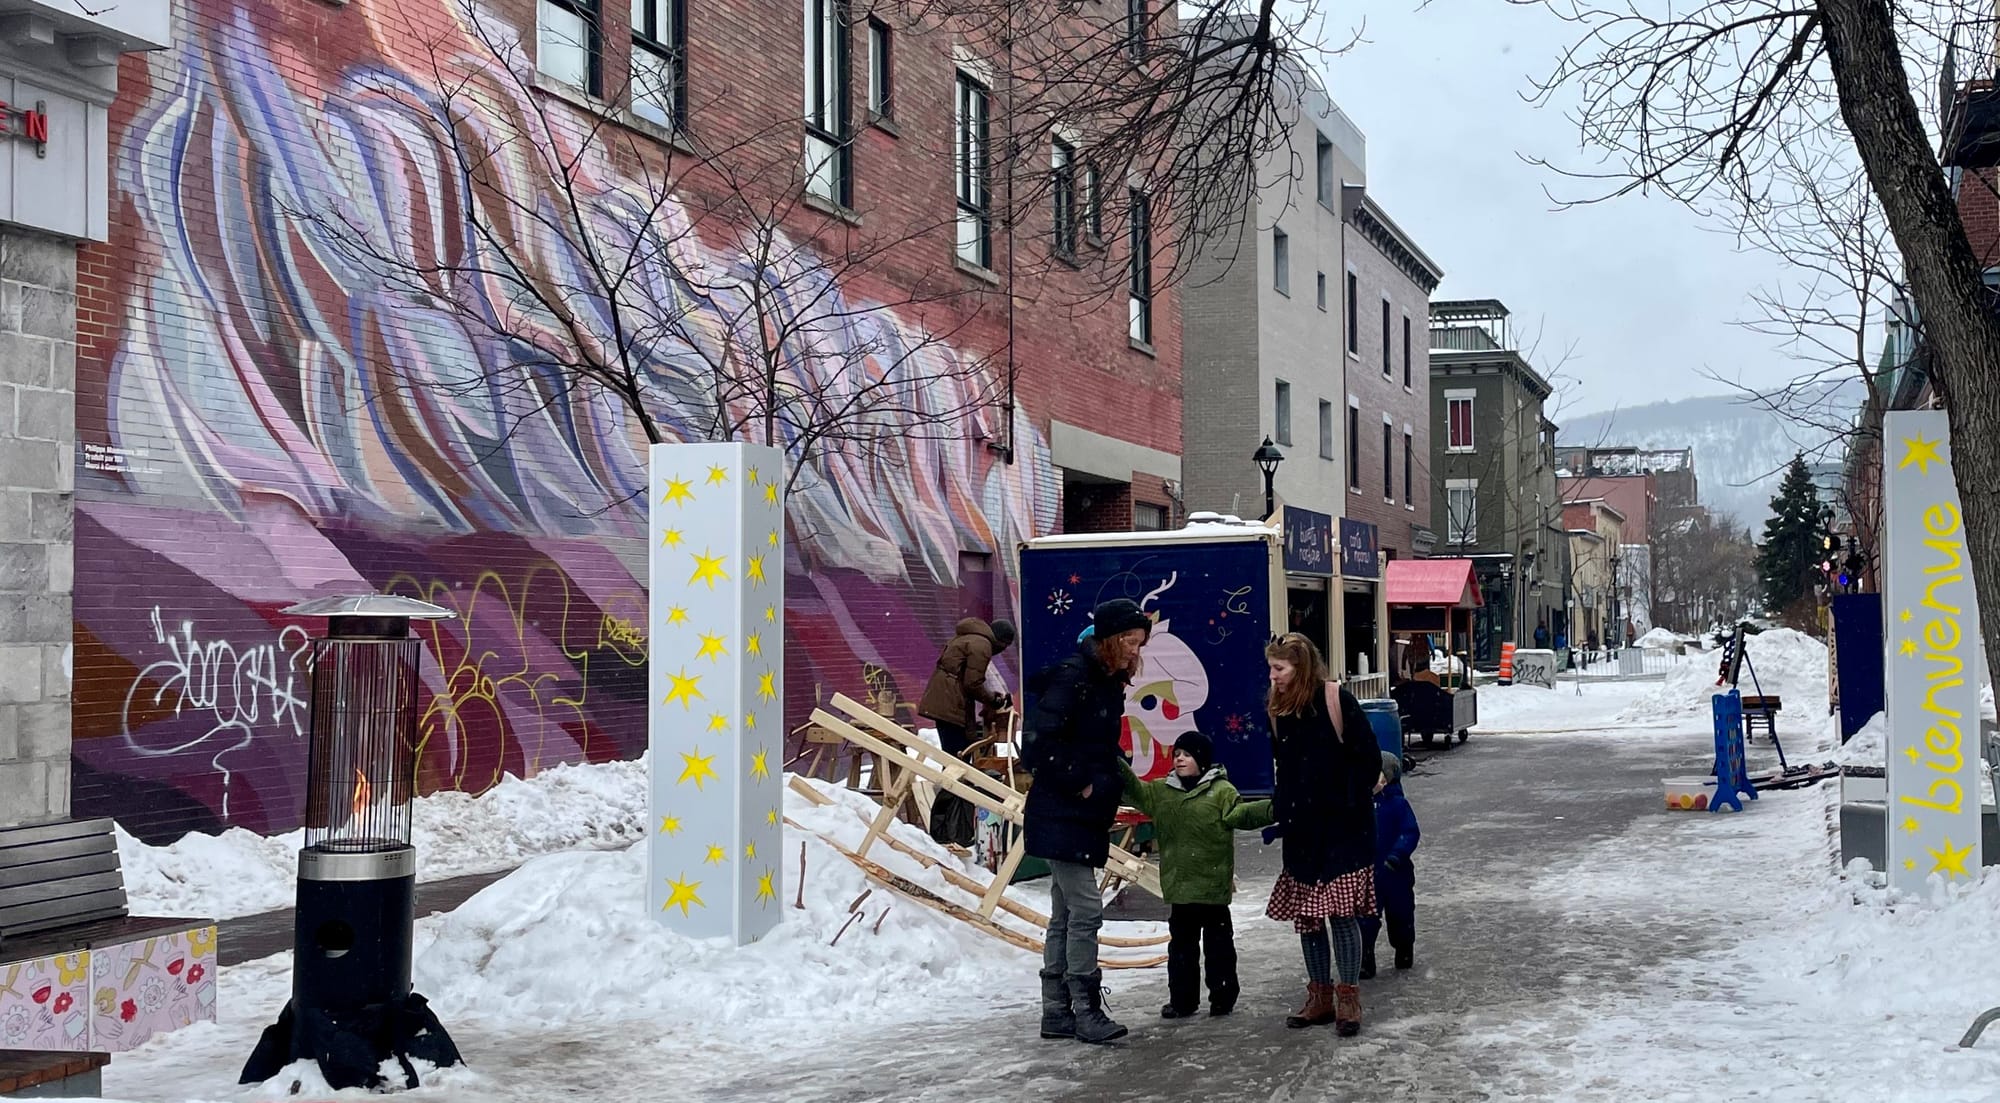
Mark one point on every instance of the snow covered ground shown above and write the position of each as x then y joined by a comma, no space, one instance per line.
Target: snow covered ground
1799,981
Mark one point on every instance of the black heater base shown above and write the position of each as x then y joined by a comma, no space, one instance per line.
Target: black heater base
350,1047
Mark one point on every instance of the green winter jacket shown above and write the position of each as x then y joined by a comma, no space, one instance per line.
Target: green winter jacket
1197,851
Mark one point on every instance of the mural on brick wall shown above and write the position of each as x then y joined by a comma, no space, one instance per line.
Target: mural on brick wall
246,440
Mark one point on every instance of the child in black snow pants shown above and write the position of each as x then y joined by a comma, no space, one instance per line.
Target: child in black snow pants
1396,838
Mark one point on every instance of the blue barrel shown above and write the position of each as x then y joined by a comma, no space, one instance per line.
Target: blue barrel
1388,725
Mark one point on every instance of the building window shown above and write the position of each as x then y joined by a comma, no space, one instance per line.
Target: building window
1409,466
1324,160
1281,413
1093,204
1140,234
1388,461
1325,430
1388,349
659,45
1147,517
1136,18
1320,282
975,213
1406,350
1353,314
881,70
829,155
1062,171
1281,262
566,43
1353,446
1458,423
1461,504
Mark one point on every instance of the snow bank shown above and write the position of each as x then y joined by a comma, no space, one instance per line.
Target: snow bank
1786,663
1562,710
1658,638
242,873
1869,746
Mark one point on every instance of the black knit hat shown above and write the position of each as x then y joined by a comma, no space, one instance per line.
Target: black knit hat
1198,747
1119,615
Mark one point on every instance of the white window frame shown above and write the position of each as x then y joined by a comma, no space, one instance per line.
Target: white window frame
1465,533
1469,397
1328,433
881,69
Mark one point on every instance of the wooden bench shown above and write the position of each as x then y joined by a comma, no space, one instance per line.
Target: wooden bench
90,976
1761,710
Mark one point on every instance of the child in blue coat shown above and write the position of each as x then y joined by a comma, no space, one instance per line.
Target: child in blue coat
1396,837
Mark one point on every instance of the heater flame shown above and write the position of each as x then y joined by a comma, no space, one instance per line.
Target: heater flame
362,793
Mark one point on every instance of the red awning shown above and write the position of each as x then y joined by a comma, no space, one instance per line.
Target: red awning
1431,582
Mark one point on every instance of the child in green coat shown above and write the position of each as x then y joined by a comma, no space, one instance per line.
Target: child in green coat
1194,810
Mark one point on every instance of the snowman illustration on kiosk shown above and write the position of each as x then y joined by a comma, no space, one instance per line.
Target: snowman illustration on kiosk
1171,687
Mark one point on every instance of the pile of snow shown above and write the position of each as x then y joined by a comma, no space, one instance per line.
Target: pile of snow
242,873
1868,746
1532,710
1783,662
1659,639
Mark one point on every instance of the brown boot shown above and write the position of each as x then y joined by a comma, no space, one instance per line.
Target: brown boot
1347,1010
1318,1010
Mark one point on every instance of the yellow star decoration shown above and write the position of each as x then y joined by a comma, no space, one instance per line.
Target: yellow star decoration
716,856
1951,859
755,571
770,614
749,721
754,644
749,852
684,895
670,825
771,817
697,767
753,476
760,763
712,648
1909,863
685,688
767,686
708,568
718,723
1923,453
766,891
1910,825
1908,648
1913,753
717,476
1905,617
679,492
771,494
773,538
677,615
671,538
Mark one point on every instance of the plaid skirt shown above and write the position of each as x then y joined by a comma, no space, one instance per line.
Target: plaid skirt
1307,905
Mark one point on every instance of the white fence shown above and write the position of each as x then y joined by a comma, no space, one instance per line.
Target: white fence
1368,687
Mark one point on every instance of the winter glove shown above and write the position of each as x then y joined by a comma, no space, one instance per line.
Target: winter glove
1273,833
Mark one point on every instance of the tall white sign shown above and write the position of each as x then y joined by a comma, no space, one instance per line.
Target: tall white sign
1932,659
717,663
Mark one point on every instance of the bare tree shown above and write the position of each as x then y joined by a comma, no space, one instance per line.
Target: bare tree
1702,102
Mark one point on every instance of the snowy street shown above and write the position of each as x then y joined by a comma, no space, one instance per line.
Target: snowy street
1576,941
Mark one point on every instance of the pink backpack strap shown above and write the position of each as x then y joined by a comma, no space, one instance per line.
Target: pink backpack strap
1333,707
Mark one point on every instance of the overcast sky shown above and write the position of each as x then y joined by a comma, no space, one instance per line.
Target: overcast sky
1646,293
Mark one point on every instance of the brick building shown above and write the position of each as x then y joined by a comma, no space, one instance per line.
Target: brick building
261,416
1305,326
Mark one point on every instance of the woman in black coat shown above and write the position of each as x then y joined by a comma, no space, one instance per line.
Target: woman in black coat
1323,801
1072,751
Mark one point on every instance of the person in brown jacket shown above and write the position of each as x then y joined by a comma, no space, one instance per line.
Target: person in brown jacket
951,699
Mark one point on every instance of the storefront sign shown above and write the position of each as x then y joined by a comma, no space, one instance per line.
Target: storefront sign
1932,654
30,122
1357,550
1308,541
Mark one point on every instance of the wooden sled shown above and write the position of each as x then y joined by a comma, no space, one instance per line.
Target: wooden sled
959,880
910,759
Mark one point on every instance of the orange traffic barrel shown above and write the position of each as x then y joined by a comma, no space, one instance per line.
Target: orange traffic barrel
1506,664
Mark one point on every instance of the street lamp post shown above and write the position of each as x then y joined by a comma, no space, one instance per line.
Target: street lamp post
1267,457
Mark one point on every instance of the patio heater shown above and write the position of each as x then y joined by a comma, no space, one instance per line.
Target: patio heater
352,1008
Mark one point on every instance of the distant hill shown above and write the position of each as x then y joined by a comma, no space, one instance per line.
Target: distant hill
1740,450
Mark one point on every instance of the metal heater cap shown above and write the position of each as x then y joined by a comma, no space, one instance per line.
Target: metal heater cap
368,865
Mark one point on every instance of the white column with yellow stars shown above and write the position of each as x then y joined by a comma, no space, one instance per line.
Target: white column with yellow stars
1933,659
717,657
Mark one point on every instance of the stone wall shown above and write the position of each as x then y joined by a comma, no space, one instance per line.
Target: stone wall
37,480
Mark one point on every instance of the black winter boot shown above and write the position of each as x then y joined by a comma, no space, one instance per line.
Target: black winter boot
1086,999
1058,1021
1406,956
1368,965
